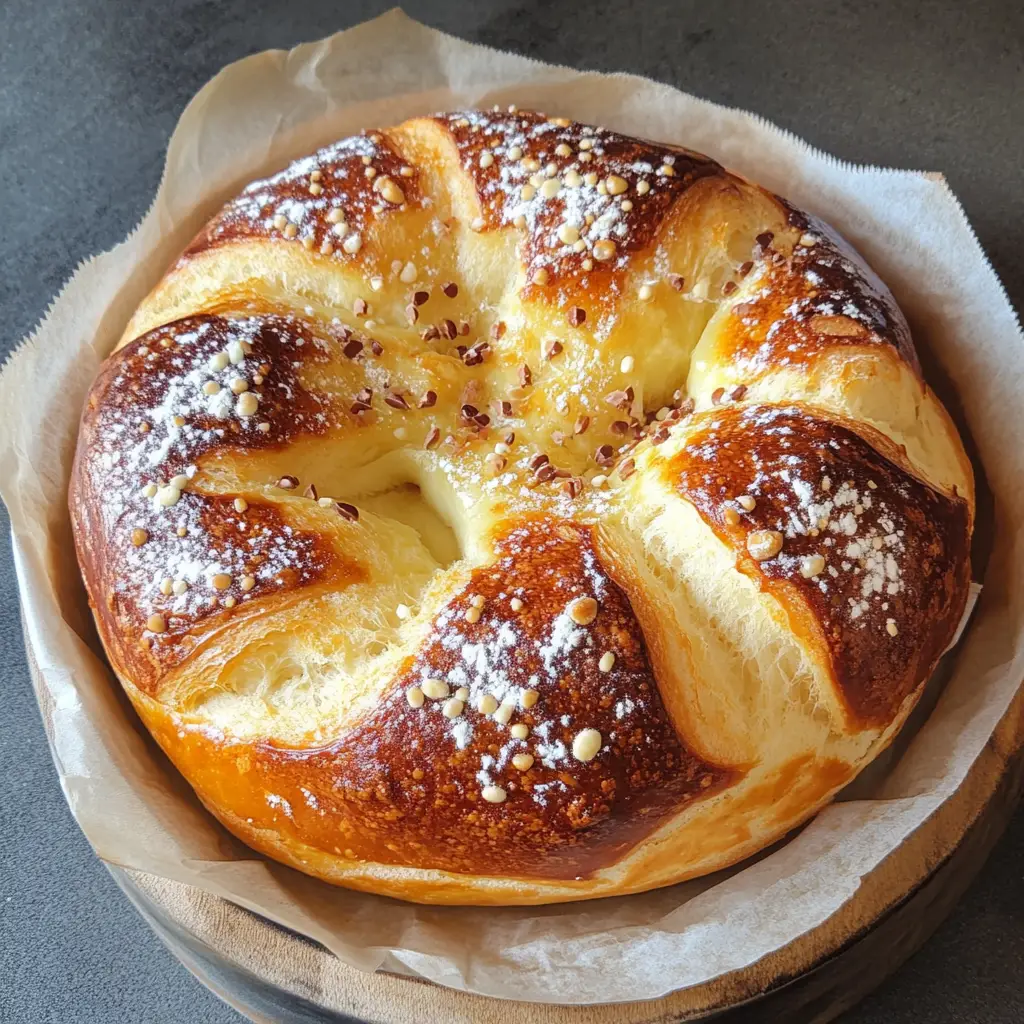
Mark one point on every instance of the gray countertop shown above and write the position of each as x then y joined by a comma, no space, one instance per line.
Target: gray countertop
89,93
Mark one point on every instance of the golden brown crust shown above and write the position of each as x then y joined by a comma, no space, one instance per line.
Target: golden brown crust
326,203
387,473
879,557
531,172
813,297
405,786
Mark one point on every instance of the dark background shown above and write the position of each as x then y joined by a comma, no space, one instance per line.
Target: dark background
89,94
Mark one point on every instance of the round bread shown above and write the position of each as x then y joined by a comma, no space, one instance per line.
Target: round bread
497,509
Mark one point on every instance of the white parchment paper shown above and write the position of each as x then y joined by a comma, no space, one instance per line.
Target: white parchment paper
252,118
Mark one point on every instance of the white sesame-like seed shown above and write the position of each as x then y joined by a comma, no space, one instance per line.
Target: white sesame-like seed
586,744
149,490
415,697
487,704
211,387
462,693
646,293
550,188
167,495
811,566
890,627
627,364
453,707
516,604
504,714
218,361
607,661
156,623
435,689
746,502
529,698
520,731
240,504
403,611
247,583
390,190
247,404
353,244
472,616
167,586
642,188
522,762
493,794
408,274
486,158
568,234
179,587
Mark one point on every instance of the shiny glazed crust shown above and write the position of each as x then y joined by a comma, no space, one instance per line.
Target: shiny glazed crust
497,509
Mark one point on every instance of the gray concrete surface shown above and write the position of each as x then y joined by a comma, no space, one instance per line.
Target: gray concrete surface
89,93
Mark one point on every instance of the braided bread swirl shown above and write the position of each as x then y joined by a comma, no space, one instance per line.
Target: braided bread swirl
497,509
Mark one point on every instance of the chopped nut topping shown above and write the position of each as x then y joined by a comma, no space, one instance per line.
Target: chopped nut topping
586,745
504,714
435,689
811,566
156,623
764,544
583,611
522,762
493,794
415,696
453,708
139,537
607,661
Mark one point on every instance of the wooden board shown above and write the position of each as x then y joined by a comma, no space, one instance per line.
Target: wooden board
275,976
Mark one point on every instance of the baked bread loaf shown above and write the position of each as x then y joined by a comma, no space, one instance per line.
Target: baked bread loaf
497,509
